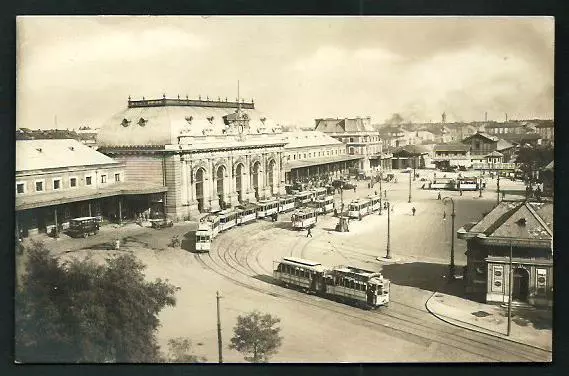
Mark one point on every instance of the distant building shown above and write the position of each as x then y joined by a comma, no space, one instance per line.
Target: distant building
447,155
360,139
313,154
409,156
523,229
546,130
61,179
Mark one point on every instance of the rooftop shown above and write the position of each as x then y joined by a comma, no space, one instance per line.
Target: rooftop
59,153
299,139
451,147
191,103
346,125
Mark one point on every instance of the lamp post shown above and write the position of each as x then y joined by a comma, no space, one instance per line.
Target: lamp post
498,189
453,214
414,175
480,186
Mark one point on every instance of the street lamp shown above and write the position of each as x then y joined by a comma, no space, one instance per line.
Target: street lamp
414,174
453,214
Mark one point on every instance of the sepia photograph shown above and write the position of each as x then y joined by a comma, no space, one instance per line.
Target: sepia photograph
284,189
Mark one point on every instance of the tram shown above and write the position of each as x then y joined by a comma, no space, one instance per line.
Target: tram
443,183
286,203
227,219
266,208
203,237
324,205
358,208
320,192
363,287
246,213
468,184
374,202
303,198
304,218
212,221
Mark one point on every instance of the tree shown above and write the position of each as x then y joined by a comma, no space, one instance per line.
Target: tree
178,351
532,159
81,311
256,336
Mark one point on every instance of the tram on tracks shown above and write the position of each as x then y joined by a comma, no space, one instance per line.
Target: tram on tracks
266,208
346,283
286,203
212,221
320,192
303,198
324,204
204,237
227,219
304,218
359,208
374,202
468,184
246,213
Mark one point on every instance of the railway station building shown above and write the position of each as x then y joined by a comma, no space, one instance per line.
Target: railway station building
60,179
360,139
313,155
209,154
523,230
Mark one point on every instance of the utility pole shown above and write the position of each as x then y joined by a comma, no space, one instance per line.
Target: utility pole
380,190
388,255
510,283
480,186
498,190
452,215
219,346
409,187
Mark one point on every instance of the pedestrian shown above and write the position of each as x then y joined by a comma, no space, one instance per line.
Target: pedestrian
375,192
354,189
413,210
460,191
439,196
309,233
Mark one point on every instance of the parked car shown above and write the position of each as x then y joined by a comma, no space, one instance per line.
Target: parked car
83,227
159,223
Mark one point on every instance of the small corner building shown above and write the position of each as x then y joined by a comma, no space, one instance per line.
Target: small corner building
61,179
523,229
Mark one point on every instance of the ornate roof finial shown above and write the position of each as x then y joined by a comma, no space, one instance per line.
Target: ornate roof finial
164,96
142,98
226,99
186,96
129,98
178,96
200,97
207,98
218,99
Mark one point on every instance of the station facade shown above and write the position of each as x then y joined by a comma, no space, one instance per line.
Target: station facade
209,154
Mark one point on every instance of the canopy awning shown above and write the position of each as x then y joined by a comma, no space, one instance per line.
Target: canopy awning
320,161
83,194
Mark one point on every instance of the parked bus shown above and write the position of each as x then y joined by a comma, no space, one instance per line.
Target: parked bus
304,218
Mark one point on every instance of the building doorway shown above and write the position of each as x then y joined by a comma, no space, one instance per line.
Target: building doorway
520,285
256,170
200,189
239,181
220,179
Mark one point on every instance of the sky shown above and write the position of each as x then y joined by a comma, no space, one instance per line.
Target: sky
79,71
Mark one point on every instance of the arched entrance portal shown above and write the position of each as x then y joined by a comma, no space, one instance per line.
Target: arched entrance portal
200,173
220,176
256,170
521,285
239,181
271,174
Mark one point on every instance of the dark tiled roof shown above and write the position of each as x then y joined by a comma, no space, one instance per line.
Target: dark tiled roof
484,135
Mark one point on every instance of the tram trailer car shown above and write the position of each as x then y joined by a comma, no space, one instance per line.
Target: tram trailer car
246,214
320,192
212,221
468,184
304,198
325,204
267,208
203,238
374,202
286,203
304,218
443,183
363,287
227,219
358,209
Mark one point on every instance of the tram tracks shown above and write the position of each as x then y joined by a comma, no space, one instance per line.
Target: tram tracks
224,260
